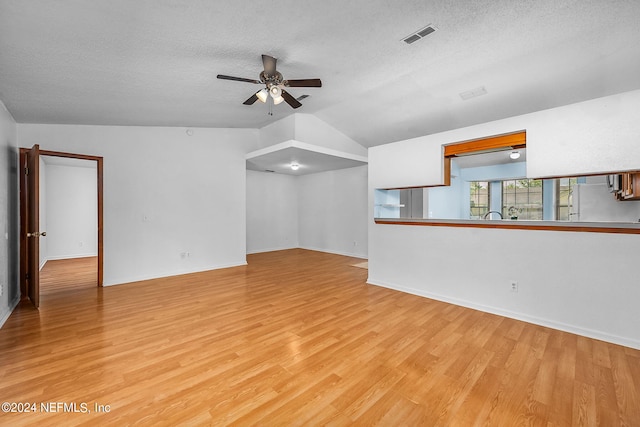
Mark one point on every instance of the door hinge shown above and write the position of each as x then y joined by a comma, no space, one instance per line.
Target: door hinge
26,171
26,276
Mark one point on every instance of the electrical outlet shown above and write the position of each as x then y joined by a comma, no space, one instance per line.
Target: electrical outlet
514,286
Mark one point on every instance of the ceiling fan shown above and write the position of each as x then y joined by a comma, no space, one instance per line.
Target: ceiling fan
274,84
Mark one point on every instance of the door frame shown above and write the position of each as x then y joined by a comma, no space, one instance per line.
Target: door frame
23,213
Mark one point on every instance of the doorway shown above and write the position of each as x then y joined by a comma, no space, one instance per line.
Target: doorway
31,233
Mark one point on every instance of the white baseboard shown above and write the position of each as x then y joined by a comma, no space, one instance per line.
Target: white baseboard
590,333
12,305
58,257
132,279
352,255
259,251
309,248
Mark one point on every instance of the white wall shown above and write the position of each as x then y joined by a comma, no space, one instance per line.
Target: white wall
272,212
591,137
325,211
165,194
42,211
593,202
9,215
574,281
312,130
308,129
332,210
72,212
277,132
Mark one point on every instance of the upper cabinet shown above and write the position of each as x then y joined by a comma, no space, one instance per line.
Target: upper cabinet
629,186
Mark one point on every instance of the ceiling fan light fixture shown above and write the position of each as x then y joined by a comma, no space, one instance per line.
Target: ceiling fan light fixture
275,91
262,95
277,100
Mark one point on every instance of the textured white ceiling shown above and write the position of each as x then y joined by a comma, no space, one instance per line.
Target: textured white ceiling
154,62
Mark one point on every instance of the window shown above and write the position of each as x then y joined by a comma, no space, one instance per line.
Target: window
564,202
479,192
522,199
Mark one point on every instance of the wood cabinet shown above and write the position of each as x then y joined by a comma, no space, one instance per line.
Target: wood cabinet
630,186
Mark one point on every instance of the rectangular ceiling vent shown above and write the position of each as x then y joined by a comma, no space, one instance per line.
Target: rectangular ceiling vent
412,38
421,33
479,91
426,31
301,97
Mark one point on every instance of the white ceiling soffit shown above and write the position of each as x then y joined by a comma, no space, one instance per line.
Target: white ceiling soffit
310,159
490,159
123,62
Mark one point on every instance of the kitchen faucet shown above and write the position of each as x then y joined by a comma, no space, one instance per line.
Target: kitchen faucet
488,214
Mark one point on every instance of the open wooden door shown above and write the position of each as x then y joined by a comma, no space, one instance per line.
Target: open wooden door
30,218
33,224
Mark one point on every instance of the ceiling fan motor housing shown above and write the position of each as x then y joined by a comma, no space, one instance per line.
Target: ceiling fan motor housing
275,79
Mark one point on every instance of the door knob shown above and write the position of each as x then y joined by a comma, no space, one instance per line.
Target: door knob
37,234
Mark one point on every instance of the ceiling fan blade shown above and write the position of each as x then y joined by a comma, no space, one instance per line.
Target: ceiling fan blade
289,99
303,83
238,79
251,99
269,63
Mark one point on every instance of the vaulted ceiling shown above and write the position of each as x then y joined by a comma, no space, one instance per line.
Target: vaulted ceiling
154,62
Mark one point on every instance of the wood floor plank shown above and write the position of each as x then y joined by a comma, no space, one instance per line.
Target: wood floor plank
546,377
297,337
69,275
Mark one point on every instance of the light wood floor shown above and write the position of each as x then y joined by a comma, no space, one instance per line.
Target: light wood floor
68,275
298,338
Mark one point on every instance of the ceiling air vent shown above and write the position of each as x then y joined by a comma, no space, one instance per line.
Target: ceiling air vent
426,31
412,38
301,97
423,32
479,91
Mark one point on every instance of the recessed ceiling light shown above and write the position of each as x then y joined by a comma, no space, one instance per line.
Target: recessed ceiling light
295,166
514,155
